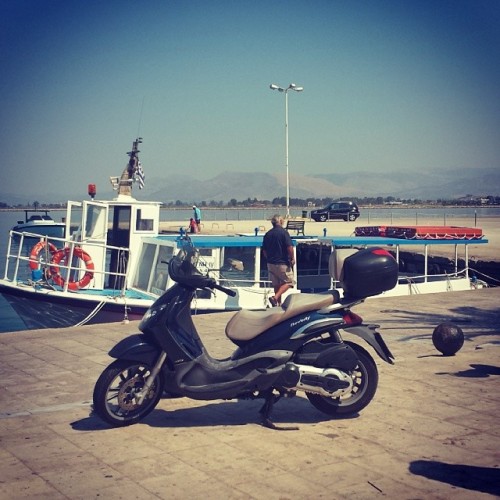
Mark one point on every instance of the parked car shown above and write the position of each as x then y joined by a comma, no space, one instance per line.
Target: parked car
346,210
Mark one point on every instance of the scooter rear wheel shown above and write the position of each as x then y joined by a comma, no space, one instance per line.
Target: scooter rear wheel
365,382
117,389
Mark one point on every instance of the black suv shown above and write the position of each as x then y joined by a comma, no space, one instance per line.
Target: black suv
346,210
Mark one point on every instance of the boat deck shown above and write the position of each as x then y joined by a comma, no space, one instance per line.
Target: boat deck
386,241
248,240
130,293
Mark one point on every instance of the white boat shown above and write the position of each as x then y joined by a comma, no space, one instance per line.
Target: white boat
114,265
419,270
39,222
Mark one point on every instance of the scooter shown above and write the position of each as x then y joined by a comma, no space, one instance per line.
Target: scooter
281,350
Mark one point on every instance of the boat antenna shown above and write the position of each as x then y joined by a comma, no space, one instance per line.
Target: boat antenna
140,118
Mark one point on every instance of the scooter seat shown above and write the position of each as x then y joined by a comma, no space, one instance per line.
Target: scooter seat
246,325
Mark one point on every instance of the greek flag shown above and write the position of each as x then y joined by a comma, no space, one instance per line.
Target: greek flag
139,175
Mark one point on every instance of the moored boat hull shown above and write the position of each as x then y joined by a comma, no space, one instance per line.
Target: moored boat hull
50,310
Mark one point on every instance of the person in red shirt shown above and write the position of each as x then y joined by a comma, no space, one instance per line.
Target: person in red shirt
193,227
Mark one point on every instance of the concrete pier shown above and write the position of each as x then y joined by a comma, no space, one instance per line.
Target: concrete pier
431,432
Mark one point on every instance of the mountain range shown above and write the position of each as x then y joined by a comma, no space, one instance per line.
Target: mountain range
431,185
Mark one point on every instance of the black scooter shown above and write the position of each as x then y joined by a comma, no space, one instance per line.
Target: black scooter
281,350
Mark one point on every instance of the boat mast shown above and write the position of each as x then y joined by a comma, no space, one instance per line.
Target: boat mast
124,184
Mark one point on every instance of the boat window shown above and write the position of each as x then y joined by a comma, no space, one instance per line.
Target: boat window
159,282
95,222
238,265
122,218
141,279
209,260
143,223
152,272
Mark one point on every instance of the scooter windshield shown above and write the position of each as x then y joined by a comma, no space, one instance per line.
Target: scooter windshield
182,269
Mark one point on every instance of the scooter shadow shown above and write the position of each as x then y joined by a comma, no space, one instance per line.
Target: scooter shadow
287,412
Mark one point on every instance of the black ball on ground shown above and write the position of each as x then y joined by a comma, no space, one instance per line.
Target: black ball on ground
448,338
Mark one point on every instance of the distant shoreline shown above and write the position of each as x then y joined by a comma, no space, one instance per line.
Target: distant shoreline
424,206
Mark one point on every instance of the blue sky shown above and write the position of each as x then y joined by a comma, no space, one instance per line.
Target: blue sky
409,85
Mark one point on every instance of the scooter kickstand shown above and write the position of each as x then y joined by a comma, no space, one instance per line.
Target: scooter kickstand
267,408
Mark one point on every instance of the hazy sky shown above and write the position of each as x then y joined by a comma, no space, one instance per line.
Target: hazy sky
388,85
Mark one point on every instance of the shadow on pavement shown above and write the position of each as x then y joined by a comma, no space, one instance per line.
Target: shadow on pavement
475,322
476,371
299,411
484,479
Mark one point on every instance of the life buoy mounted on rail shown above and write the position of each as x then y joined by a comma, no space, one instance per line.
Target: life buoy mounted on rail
34,262
64,254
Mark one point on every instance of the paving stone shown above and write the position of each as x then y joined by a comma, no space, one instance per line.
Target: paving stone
431,431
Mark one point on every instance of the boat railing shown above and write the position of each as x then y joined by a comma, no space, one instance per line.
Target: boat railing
21,243
414,280
407,277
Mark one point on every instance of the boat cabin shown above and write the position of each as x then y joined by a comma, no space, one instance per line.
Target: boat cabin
234,261
110,232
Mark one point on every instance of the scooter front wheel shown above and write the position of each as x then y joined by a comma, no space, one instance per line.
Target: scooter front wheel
118,390
364,386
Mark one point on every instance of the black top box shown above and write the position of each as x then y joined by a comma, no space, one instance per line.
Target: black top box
369,272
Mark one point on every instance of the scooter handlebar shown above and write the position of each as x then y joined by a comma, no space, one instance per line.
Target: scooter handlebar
227,291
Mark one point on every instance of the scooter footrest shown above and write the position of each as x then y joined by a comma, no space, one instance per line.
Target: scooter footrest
257,380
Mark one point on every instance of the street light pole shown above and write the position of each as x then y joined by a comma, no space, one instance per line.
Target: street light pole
286,158
294,87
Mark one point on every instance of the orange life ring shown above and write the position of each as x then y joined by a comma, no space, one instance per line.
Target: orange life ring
34,263
64,254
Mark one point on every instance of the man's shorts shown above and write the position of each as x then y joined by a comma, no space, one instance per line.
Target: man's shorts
279,274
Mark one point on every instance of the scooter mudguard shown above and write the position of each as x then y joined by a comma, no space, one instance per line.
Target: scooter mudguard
369,334
135,348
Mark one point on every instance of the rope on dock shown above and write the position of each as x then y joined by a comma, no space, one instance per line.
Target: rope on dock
92,313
